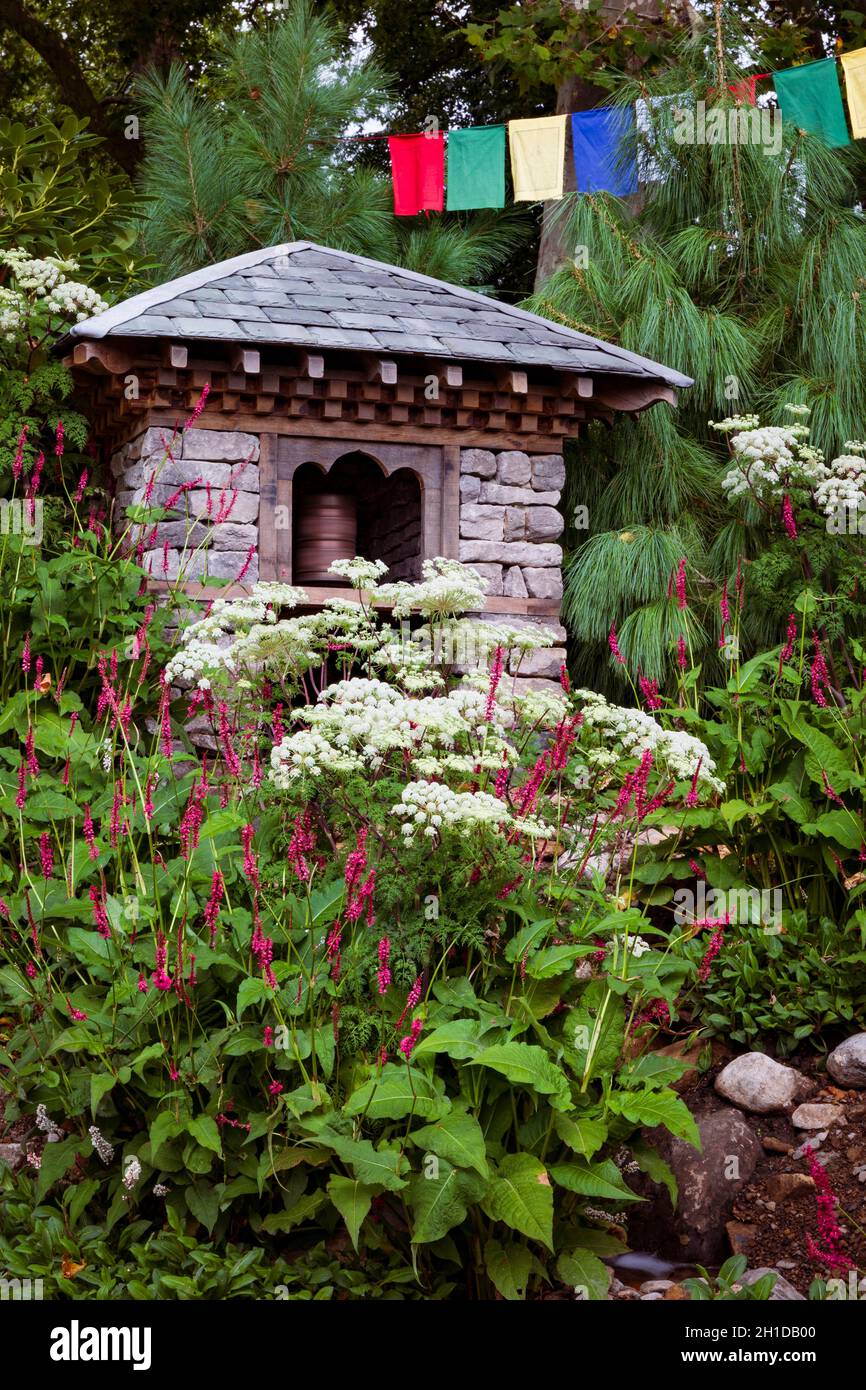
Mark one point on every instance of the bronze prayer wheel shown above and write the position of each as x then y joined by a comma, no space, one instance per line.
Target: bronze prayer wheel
326,529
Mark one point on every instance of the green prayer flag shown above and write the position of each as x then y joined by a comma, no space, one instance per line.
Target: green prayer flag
476,168
810,98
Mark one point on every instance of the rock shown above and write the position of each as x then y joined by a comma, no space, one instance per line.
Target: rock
470,487
781,1186
650,1297
543,523
481,462
515,523
242,507
514,585
513,469
657,1286
772,1145
676,1291
510,553
153,441
546,661
219,444
707,1180
756,1083
548,472
544,583
816,1116
783,1290
814,1143
12,1155
847,1063
740,1236
501,496
481,523
231,536
493,575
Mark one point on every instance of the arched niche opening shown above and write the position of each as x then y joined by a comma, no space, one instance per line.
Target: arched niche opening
355,508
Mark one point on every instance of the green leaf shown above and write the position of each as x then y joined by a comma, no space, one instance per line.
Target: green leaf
584,1271
842,826
164,1127
584,1136
352,1200
457,1137
459,1039
396,1092
652,1163
520,1195
203,1200
509,1268
441,1202
594,1180
653,1108
250,991
100,1084
303,1209
56,1159
375,1167
529,1066
204,1128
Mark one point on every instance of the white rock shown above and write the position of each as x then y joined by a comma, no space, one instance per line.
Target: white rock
757,1083
220,444
847,1063
816,1116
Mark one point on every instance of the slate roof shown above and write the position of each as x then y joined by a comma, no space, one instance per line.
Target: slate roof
310,296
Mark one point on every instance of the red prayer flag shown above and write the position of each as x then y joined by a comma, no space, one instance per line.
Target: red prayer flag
417,173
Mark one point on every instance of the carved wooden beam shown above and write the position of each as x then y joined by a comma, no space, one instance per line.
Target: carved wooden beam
103,358
173,355
247,360
517,383
632,395
382,370
572,386
312,365
448,374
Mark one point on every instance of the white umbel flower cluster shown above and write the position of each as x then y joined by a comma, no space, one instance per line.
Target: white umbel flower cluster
43,283
429,808
631,732
447,587
772,460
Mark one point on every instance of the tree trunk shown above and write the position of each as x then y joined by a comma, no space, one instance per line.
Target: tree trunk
576,95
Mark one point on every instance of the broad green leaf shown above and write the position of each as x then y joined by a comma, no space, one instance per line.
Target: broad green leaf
203,1200
56,1159
100,1084
375,1167
459,1039
396,1092
584,1272
653,1108
250,991
509,1267
164,1127
441,1201
584,1136
520,1195
530,1066
594,1180
352,1200
655,1167
304,1208
457,1137
204,1128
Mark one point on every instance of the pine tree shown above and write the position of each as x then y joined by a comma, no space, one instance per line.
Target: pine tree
745,270
253,155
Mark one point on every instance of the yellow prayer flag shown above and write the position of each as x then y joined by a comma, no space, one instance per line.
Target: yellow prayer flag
855,89
537,158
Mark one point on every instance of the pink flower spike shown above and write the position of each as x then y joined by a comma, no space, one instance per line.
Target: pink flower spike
614,645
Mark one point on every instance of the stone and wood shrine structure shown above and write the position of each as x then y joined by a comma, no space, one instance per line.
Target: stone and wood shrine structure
352,408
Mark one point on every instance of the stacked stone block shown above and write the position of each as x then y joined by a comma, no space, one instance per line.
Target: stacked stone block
217,519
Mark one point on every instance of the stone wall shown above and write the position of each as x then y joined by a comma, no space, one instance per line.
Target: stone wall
217,518
509,521
509,526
